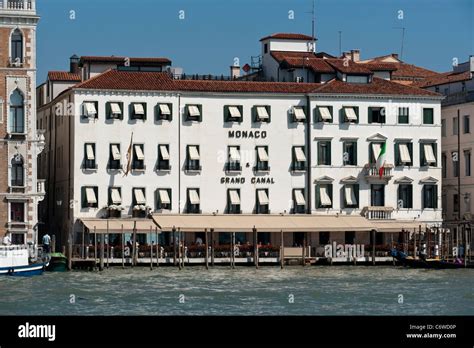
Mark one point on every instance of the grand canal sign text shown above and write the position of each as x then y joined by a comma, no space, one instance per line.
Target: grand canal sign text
241,180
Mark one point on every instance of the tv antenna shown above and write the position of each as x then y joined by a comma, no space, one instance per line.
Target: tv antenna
313,26
403,39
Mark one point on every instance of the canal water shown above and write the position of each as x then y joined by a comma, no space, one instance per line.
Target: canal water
337,290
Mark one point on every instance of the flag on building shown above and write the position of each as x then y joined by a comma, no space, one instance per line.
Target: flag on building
381,160
129,157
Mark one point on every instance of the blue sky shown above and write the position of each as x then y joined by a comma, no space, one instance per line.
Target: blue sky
215,31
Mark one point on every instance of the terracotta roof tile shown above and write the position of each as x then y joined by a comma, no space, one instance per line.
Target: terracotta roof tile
287,36
413,71
348,66
119,59
63,76
444,78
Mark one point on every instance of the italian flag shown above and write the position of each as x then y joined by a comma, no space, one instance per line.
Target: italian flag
381,160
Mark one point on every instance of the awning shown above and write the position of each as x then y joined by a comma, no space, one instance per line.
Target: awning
164,153
397,226
90,152
234,112
234,197
193,110
90,196
299,196
116,153
139,196
299,113
262,113
376,148
262,154
138,108
325,113
115,225
164,197
263,198
234,154
193,153
262,223
404,153
350,114
194,197
323,194
90,109
139,153
299,153
429,153
115,108
165,109
350,195
115,195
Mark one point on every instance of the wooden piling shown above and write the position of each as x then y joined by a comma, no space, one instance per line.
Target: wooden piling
207,248
95,247
69,258
83,241
414,243
134,246
101,264
212,246
157,248
174,246
103,237
282,250
151,250
52,248
123,249
373,247
303,251
255,247
183,246
232,250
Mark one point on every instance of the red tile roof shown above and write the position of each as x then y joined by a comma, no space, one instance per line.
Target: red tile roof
444,78
348,66
118,59
288,36
315,64
380,66
63,76
156,81
412,71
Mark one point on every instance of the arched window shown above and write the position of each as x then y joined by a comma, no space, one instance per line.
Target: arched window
17,46
17,112
17,173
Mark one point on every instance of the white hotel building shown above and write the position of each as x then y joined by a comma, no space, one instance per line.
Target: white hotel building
215,148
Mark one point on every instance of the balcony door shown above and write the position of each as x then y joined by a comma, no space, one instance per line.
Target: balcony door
377,198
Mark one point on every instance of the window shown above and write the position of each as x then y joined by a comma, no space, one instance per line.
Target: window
357,79
403,115
324,153
428,117
443,165
138,162
324,114
467,163
298,159
17,172
405,196
163,157
376,115
455,203
299,202
233,113
115,157
262,158
430,196
265,48
233,159
17,112
163,199
192,158
261,113
350,114
377,195
324,238
263,203
349,237
17,212
89,197
455,126
164,112
139,202
455,158
89,109
17,46
374,151
324,196
466,124
138,111
114,110
299,114
443,128
193,113
349,156
428,154
115,196
403,154
193,201
351,196
89,156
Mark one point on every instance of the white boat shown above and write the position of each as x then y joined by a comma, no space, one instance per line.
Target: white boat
15,260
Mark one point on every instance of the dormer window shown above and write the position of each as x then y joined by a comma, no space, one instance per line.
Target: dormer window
357,79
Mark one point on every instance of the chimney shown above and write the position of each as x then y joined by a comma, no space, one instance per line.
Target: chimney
355,55
74,64
234,71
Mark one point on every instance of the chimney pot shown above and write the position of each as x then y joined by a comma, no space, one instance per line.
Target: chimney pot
74,64
234,71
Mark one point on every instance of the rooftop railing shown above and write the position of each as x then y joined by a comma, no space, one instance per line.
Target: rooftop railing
17,5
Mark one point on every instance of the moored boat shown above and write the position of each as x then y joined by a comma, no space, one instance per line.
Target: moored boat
15,261
57,263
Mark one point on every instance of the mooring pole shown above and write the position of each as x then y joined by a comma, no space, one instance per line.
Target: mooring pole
206,241
157,248
255,247
282,250
373,247
123,249
212,247
174,246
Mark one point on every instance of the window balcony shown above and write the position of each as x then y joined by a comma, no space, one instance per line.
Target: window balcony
371,172
15,62
17,5
41,187
377,213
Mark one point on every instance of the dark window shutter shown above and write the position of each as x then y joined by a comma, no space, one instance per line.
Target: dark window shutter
410,196
318,199
397,154
328,153
370,118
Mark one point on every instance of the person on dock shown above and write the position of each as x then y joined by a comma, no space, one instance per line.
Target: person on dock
46,243
7,240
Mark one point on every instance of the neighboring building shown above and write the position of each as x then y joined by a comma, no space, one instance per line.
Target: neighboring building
457,115
20,141
243,147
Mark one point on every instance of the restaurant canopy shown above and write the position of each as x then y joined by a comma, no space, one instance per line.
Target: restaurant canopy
115,225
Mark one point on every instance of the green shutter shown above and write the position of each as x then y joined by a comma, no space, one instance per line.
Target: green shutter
200,112
107,111
329,186
320,153
397,154
410,196
329,153
435,196
422,155
356,193
318,199
369,115
354,149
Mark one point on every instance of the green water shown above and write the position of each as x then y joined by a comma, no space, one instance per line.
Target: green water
338,290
